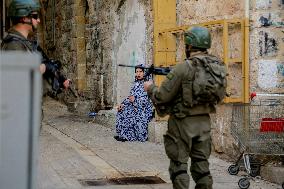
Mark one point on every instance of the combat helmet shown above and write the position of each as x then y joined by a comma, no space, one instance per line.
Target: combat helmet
198,37
22,8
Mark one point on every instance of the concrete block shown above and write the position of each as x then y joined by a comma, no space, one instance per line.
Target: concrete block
156,131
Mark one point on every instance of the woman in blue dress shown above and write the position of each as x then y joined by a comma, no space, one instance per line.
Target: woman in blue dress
135,112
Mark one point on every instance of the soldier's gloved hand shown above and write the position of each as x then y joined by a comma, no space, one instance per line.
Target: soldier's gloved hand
147,85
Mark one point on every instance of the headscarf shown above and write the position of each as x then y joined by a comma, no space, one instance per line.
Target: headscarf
147,76
142,67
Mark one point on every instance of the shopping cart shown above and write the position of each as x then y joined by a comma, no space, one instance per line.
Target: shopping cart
258,128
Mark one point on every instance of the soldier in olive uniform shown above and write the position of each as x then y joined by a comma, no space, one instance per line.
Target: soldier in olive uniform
188,133
24,15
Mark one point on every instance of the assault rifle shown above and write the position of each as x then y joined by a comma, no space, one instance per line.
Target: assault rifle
151,69
53,74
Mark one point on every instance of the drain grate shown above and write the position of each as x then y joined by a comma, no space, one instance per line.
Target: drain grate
122,181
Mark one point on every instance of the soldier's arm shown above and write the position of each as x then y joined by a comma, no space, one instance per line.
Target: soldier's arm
169,87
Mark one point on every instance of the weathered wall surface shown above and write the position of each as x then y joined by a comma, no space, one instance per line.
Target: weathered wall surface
130,43
92,38
267,46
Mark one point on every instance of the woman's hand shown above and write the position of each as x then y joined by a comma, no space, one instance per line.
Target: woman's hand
120,107
131,98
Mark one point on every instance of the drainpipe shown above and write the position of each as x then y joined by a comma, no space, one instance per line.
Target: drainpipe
246,52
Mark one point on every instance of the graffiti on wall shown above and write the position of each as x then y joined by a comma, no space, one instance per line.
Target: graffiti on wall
280,69
270,19
270,74
268,45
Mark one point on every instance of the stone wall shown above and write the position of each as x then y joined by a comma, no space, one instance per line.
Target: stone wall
267,46
115,32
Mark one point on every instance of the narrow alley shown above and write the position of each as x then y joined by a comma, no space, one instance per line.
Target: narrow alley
74,149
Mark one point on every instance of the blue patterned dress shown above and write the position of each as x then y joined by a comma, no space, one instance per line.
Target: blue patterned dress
132,121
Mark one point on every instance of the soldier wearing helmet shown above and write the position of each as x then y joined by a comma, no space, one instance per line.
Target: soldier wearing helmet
188,134
25,19
24,15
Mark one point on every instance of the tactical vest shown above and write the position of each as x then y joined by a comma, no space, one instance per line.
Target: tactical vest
208,84
203,88
26,44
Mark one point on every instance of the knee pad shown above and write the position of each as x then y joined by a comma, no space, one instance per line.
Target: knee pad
175,174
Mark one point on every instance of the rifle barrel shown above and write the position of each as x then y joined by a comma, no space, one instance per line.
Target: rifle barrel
124,65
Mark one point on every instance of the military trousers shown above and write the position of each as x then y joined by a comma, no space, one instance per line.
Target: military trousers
186,138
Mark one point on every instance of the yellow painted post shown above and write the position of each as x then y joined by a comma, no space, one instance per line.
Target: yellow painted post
225,49
164,43
164,12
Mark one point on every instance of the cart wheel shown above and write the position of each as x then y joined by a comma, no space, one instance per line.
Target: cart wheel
233,169
244,183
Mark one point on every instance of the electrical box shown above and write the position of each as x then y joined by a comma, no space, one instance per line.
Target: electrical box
20,111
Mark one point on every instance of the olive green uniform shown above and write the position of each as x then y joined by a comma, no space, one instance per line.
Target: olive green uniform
188,133
16,41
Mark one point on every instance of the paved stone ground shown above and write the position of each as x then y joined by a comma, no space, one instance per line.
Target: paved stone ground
74,148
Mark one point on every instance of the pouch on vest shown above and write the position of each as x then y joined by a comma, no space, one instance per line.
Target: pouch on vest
209,82
187,95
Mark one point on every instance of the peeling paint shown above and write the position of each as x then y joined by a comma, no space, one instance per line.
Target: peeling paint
268,45
129,43
270,74
263,4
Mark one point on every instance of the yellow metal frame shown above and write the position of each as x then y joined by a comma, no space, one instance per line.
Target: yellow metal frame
165,50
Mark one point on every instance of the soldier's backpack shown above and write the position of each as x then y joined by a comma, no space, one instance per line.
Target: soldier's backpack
209,82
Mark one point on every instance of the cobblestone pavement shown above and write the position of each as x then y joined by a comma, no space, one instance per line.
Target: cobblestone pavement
74,148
